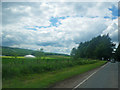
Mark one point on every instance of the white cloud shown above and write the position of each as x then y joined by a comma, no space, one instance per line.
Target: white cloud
112,29
81,25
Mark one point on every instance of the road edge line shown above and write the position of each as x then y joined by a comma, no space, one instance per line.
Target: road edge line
88,77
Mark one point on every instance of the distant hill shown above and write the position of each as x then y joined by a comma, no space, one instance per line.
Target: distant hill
9,51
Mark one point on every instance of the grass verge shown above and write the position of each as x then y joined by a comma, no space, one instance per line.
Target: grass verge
46,79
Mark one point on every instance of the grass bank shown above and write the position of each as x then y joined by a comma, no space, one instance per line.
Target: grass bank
46,79
16,67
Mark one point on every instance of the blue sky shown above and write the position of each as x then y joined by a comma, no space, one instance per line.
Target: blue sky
114,10
55,21
57,27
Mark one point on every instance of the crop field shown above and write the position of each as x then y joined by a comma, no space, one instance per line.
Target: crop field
46,57
13,67
10,57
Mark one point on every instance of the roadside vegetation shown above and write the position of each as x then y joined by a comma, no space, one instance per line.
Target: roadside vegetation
117,53
46,79
13,67
48,68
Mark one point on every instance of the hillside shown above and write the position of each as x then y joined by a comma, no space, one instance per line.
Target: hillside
8,51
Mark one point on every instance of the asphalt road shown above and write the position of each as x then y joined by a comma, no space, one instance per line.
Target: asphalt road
106,77
102,77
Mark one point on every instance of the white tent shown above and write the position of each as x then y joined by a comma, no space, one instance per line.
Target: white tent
29,56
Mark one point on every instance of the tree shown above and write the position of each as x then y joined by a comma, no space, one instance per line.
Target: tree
42,53
39,54
97,48
117,53
73,52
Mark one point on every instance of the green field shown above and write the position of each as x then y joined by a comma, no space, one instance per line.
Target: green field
46,79
13,67
16,69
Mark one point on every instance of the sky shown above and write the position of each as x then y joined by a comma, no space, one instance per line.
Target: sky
57,26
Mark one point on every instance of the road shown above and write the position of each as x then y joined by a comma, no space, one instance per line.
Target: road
103,77
106,77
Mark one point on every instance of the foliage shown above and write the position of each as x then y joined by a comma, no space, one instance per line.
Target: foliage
48,78
73,52
97,48
117,53
13,67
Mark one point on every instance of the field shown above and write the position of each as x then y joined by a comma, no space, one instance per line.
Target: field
46,79
13,67
16,69
46,57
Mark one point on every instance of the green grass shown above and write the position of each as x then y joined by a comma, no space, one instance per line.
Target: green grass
46,79
15,67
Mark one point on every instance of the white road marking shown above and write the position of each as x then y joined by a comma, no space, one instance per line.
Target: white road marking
88,77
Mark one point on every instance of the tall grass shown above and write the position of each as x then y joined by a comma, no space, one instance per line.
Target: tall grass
13,67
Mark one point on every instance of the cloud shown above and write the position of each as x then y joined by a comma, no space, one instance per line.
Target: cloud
56,27
14,12
112,29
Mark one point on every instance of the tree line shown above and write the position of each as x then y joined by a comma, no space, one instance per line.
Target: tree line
100,47
117,53
9,51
